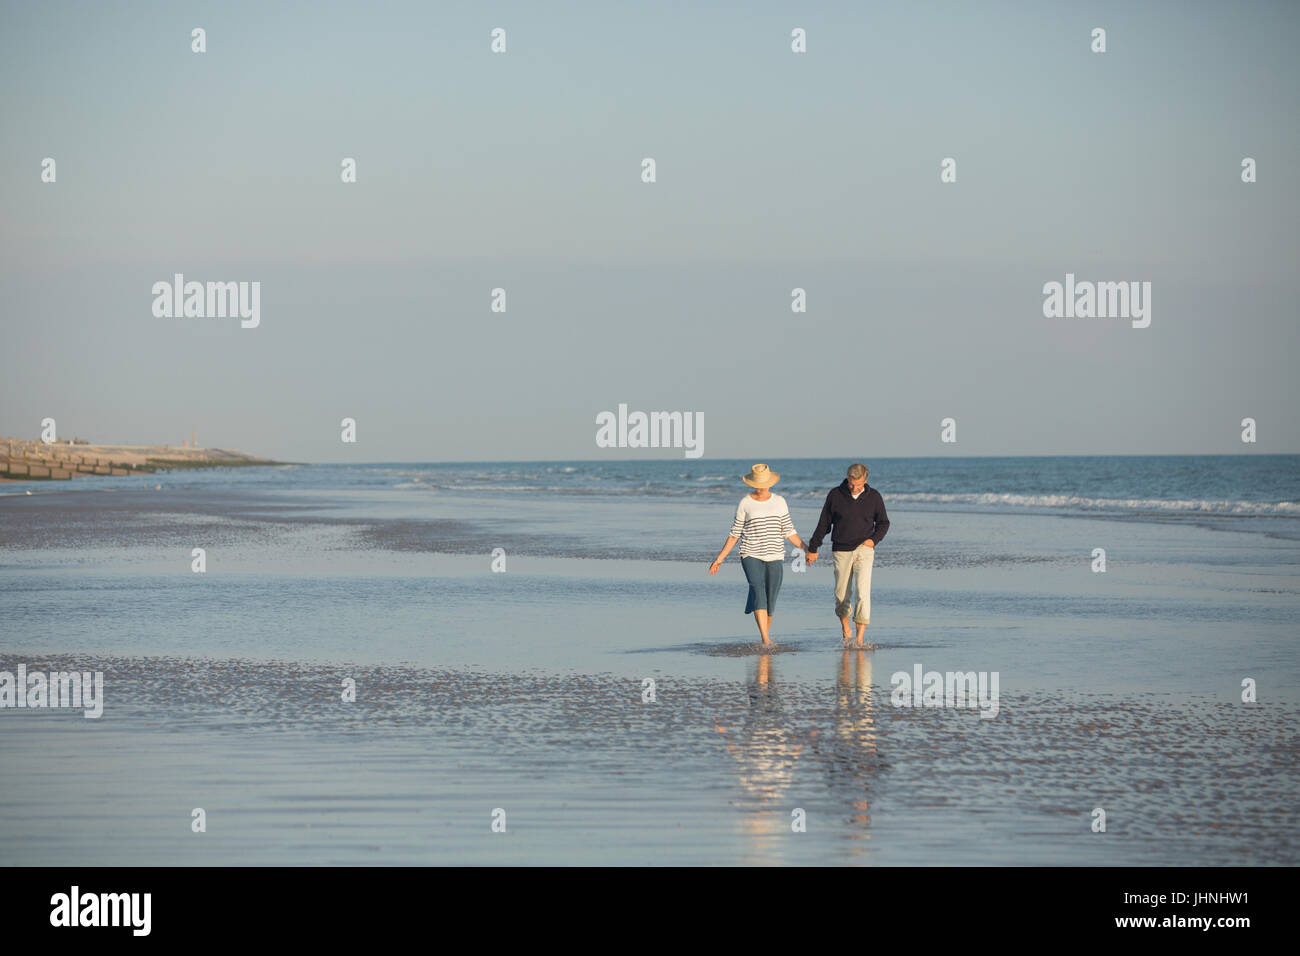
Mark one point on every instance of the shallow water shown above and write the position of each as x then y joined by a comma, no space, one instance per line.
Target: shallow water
523,690
589,772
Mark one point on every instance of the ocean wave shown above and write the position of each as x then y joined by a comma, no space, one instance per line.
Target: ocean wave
1175,505
709,488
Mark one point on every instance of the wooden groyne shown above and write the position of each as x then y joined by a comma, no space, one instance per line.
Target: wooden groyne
24,460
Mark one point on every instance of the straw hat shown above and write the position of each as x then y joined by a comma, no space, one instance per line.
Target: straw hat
760,476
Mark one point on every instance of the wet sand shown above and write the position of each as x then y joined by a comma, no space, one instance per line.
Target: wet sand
587,772
523,690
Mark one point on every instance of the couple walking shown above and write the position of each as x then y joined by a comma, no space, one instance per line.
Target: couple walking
854,515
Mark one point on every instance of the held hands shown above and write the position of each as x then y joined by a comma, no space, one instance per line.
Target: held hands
809,556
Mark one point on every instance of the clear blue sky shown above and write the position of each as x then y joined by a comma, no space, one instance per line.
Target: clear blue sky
775,170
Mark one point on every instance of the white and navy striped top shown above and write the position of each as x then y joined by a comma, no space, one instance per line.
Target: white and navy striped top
762,527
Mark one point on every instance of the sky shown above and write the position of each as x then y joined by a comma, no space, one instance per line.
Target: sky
775,170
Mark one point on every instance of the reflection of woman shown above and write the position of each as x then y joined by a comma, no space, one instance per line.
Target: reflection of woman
765,746
762,523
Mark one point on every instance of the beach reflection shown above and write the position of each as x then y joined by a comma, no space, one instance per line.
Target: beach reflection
765,751
852,756
841,740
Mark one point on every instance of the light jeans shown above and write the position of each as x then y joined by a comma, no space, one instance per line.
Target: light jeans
854,566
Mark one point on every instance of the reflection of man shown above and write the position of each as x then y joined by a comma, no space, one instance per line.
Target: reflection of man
854,514
854,704
854,753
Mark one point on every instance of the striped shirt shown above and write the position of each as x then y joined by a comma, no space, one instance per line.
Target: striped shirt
762,527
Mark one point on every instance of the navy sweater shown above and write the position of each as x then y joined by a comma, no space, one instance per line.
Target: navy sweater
854,521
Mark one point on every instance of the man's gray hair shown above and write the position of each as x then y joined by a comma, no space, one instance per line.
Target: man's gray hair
857,470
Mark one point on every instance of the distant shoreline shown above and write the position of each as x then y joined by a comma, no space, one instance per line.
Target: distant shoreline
24,460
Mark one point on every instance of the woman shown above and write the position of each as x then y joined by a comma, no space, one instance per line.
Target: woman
762,522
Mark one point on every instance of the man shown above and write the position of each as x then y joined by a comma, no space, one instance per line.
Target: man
857,515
